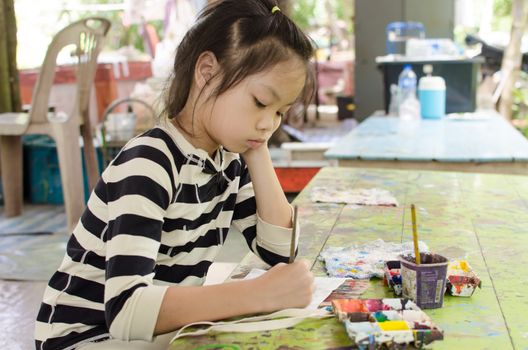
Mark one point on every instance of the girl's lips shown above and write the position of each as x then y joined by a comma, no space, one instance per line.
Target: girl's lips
253,144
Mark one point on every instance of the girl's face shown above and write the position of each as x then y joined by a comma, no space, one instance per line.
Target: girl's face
245,116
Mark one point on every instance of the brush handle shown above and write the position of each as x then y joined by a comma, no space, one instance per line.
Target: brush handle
415,235
293,235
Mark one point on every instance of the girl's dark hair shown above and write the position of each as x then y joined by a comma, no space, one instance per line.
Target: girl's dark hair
246,38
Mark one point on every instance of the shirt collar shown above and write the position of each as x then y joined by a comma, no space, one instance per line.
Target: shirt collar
222,157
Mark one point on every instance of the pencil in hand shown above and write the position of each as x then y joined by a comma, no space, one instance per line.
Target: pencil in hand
293,235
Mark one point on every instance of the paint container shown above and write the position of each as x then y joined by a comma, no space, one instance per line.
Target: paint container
461,279
425,283
354,310
386,323
392,276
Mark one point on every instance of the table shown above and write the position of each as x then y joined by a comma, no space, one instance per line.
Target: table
460,74
480,142
483,216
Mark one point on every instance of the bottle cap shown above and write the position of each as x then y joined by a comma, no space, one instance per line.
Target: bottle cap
428,69
431,83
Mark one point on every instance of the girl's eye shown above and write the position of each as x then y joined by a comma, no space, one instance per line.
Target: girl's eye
259,104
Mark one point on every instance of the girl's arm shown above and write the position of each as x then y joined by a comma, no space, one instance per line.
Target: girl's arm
283,286
272,205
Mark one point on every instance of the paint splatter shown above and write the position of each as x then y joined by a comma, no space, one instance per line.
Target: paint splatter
364,261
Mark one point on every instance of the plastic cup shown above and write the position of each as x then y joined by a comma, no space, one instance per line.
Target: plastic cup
425,283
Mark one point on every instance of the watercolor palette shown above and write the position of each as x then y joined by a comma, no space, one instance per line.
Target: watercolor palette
349,289
392,276
391,323
461,279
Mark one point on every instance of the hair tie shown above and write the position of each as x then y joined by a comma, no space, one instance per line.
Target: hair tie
275,9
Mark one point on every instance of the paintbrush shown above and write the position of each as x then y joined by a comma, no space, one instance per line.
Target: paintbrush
293,236
415,235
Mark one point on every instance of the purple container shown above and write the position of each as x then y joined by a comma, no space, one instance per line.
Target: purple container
425,283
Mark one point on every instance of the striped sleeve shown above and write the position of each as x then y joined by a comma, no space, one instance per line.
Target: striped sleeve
270,242
139,191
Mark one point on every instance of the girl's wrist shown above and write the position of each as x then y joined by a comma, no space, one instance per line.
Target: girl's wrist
256,156
263,303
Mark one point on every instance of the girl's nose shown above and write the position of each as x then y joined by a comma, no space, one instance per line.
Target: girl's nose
267,122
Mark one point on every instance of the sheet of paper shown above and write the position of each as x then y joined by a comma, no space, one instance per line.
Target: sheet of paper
359,196
219,272
323,287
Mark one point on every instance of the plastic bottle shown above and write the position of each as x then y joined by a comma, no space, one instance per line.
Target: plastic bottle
432,93
407,82
394,103
409,107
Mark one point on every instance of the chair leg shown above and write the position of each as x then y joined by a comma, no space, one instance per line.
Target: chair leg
90,157
66,136
11,164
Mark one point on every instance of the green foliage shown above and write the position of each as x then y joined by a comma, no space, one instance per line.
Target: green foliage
502,11
131,36
119,34
502,8
303,13
345,11
520,103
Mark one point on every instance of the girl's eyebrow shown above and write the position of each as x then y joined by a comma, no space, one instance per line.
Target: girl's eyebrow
275,94
272,90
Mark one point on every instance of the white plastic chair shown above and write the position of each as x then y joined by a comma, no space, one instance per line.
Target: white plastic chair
86,36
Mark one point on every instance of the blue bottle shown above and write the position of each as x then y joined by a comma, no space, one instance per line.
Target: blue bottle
432,95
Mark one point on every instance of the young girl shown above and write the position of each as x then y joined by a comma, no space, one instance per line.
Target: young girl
136,261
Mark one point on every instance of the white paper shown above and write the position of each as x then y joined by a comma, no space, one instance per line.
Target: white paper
218,272
339,193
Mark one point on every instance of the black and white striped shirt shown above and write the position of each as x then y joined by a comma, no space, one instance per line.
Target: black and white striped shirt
158,217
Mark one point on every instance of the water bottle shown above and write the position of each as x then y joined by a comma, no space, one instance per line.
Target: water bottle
407,82
409,107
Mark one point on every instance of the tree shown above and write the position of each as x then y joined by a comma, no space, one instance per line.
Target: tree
9,88
512,59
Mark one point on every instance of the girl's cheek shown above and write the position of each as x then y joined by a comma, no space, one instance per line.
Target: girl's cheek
277,124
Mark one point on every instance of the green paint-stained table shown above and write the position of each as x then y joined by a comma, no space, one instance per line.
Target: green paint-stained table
482,217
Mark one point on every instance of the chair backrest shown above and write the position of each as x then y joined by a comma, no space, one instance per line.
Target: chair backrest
87,35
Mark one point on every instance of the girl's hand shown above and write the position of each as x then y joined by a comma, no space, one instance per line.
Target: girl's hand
253,157
285,286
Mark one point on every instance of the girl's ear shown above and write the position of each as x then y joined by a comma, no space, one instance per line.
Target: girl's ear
205,69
